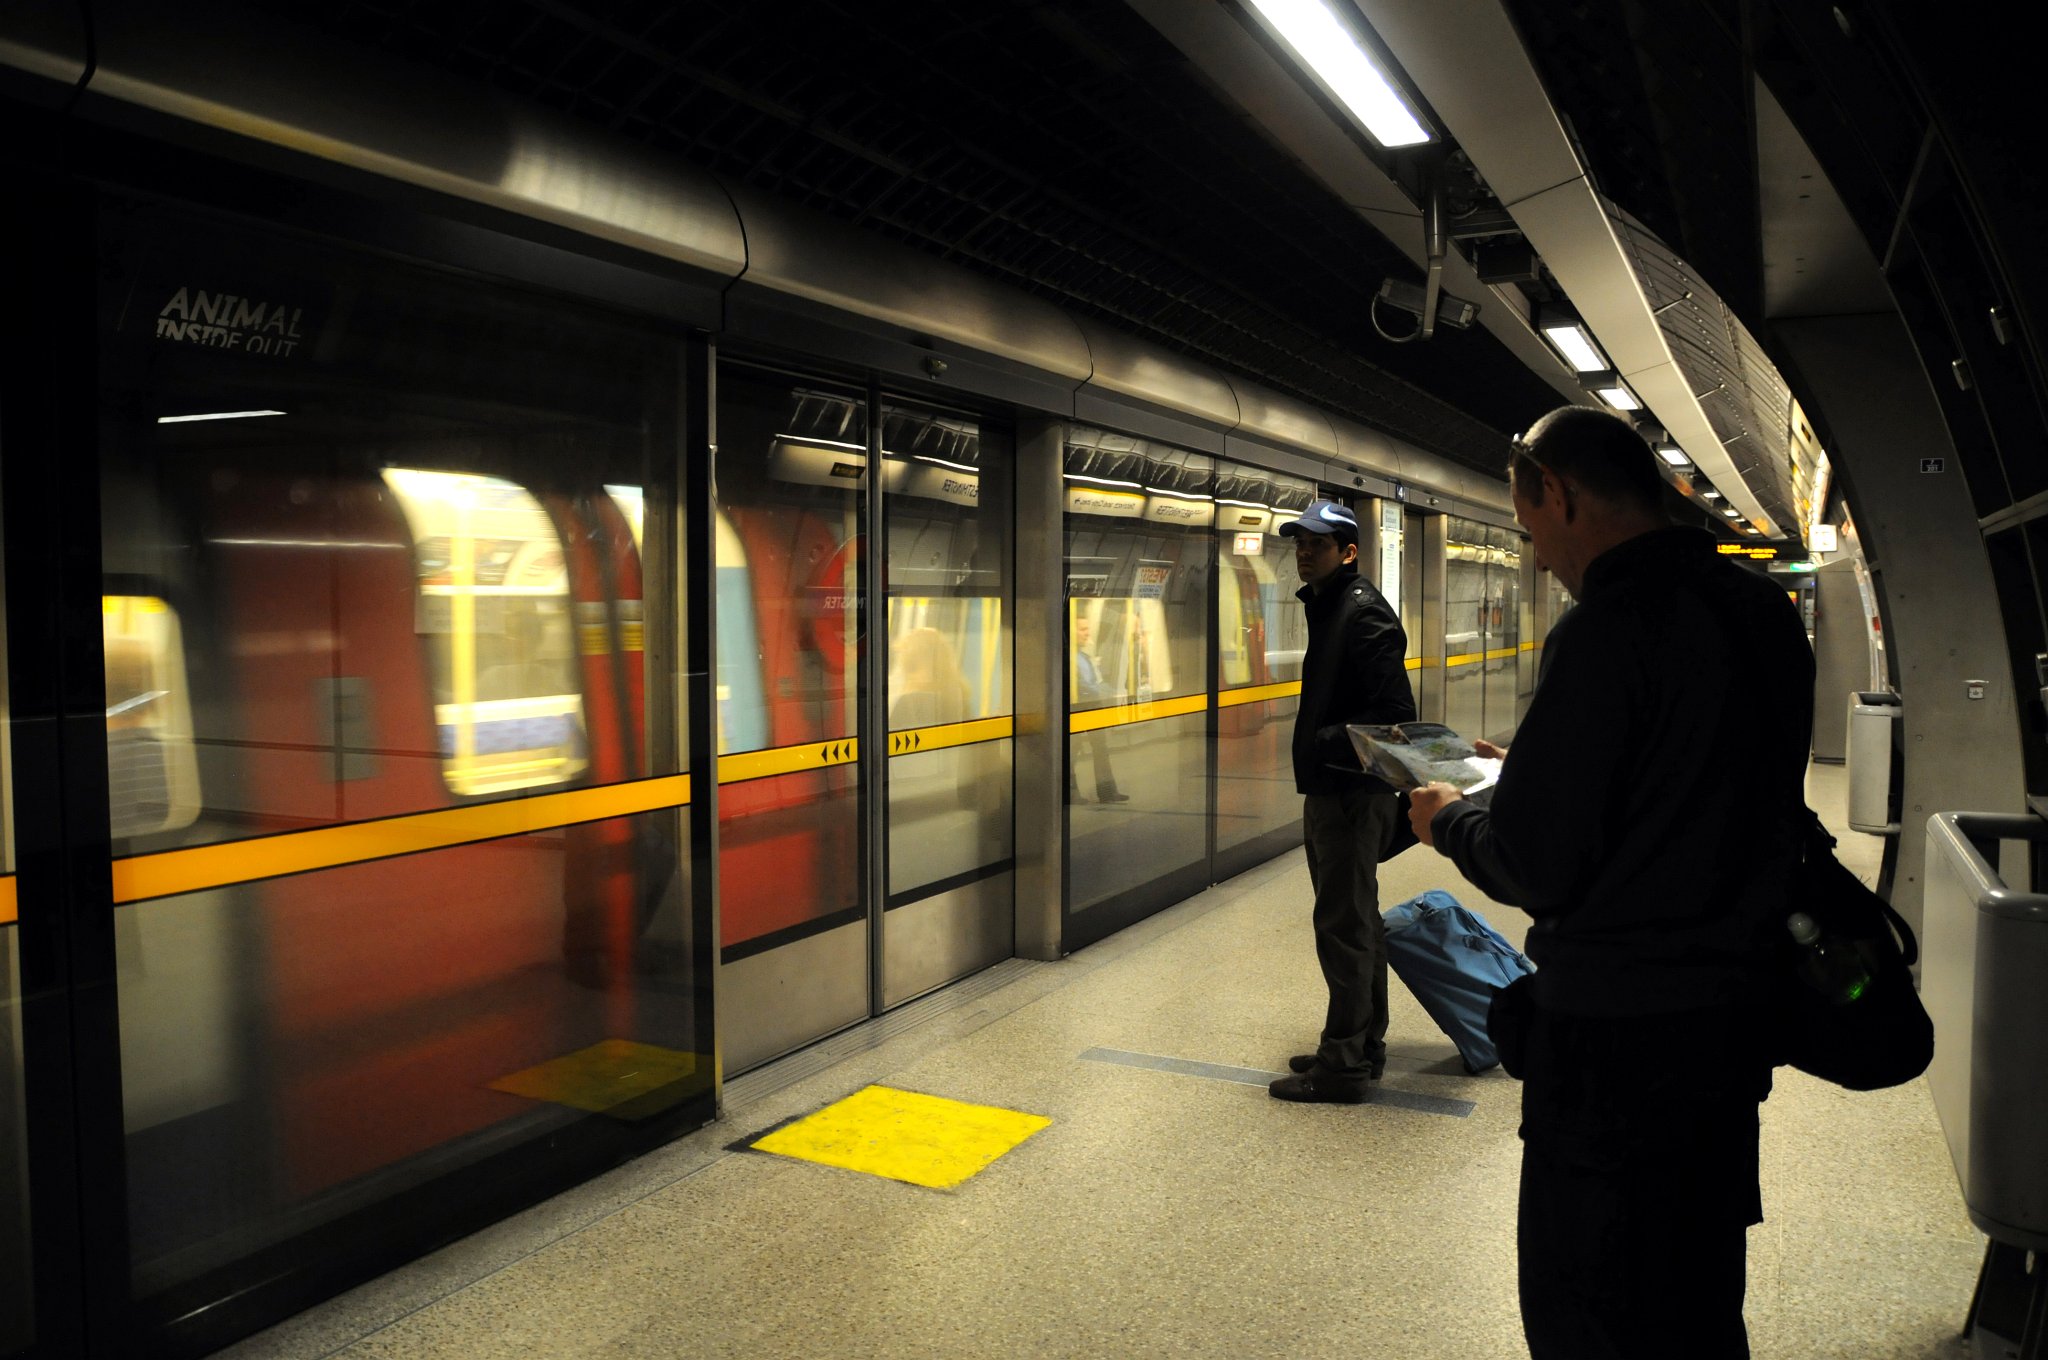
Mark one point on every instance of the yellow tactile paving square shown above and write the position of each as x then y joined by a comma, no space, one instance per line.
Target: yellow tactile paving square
925,1140
617,1077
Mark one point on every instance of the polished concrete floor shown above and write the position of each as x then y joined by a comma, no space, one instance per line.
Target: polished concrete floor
1171,1207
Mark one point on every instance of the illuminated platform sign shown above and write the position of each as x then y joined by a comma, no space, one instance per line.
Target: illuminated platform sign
1754,554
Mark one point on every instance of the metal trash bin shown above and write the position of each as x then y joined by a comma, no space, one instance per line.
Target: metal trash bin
1984,978
1873,744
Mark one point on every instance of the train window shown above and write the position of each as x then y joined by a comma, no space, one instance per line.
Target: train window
152,774
632,503
494,611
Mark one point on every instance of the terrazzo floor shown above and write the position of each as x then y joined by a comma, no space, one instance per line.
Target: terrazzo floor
1162,1213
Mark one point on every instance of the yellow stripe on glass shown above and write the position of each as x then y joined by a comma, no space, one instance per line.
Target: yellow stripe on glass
199,867
905,1136
813,755
9,913
949,734
1122,714
1252,694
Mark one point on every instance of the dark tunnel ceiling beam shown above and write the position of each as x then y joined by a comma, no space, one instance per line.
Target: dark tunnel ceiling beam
1468,62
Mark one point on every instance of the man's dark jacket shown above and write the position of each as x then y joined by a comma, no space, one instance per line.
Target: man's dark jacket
1353,672
1648,810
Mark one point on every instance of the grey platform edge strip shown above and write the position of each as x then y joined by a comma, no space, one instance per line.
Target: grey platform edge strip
1381,1094
763,1082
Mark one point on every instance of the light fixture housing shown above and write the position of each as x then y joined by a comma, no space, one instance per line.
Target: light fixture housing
1352,74
1608,386
1673,455
215,415
1570,338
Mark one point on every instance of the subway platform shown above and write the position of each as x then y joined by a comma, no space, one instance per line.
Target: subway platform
1169,1207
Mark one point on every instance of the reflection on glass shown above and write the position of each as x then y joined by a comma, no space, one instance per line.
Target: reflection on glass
1467,618
949,809
152,772
494,609
1261,637
17,1281
409,591
1504,624
792,468
949,649
1140,524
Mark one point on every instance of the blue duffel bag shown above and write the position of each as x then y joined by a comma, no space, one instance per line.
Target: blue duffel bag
1453,962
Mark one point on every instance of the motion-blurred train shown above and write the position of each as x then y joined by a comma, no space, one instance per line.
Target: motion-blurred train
370,632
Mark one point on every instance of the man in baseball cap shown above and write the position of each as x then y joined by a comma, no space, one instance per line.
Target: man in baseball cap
1353,672
1325,517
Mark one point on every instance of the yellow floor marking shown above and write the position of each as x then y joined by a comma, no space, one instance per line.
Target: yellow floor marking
616,1077
925,1140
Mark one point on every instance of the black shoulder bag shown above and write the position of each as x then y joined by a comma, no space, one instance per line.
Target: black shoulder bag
1882,1036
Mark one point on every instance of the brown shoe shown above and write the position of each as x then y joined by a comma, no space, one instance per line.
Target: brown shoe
1319,1086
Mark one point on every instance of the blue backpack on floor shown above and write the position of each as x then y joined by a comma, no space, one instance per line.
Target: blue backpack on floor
1453,962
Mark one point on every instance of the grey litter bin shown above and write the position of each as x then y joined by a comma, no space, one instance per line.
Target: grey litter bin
1874,720
1984,977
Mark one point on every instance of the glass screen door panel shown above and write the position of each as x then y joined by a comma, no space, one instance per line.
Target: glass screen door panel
1261,636
1140,547
791,469
1503,631
1466,611
950,823
400,874
17,1280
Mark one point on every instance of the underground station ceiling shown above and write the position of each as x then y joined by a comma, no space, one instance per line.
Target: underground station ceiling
1062,146
1068,148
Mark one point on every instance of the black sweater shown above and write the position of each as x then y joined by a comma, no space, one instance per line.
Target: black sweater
1353,672
1645,815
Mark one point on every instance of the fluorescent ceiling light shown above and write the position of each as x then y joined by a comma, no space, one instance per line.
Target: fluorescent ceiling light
1732,514
1100,481
1576,347
1710,493
1322,43
1673,455
927,458
1619,397
1183,495
215,415
812,441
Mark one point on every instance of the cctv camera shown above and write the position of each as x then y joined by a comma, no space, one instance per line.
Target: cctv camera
1410,297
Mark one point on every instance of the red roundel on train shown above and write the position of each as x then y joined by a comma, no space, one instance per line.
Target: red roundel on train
831,596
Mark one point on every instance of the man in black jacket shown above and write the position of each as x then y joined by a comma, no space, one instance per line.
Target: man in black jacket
1354,672
1646,818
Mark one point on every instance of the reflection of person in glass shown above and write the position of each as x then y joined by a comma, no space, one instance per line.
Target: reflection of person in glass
1091,692
926,687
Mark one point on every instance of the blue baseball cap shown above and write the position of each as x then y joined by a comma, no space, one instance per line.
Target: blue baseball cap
1324,517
